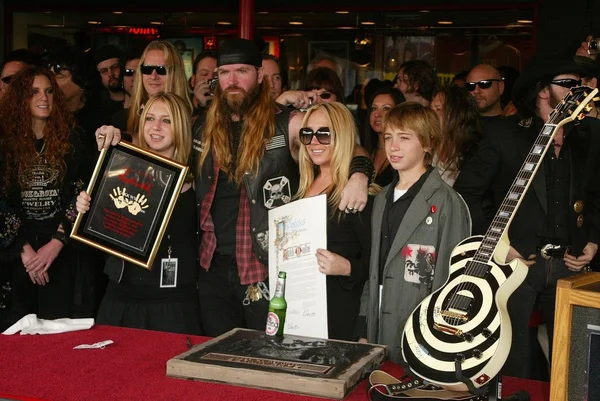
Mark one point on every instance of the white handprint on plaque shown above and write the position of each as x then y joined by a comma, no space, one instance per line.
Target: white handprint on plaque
138,204
118,197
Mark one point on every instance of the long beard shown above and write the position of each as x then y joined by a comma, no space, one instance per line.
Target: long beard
239,104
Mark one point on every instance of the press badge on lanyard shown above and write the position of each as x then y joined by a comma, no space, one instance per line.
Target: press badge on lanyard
168,269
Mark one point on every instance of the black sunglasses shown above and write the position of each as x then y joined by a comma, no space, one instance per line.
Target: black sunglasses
483,84
567,82
322,134
58,68
148,69
129,72
325,95
7,80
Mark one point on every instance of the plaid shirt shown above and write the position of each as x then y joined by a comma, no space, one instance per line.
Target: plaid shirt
250,269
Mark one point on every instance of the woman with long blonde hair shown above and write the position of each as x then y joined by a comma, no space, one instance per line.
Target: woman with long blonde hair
328,140
164,298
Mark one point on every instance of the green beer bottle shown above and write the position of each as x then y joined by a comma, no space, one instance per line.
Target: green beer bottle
277,309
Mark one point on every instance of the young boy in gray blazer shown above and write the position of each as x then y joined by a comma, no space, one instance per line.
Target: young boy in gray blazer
417,220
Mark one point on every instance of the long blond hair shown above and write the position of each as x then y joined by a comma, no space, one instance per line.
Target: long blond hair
260,118
176,82
343,139
180,115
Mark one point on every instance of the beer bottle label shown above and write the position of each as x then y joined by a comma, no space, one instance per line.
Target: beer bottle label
272,324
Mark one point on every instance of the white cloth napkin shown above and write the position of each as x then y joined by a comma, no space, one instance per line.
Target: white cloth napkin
30,324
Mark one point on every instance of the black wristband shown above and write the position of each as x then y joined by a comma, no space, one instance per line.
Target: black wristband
364,165
61,236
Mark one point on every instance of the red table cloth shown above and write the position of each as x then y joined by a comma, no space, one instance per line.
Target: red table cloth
46,367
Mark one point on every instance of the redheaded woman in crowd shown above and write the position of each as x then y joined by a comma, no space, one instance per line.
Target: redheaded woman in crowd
40,179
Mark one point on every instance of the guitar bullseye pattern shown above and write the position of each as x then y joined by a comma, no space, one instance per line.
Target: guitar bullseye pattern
434,334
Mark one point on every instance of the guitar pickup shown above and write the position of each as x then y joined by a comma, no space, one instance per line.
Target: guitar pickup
448,329
454,315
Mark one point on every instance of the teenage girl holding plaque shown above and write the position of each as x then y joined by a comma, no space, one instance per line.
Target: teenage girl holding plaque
164,298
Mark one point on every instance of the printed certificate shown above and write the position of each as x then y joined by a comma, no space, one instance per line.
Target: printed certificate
296,231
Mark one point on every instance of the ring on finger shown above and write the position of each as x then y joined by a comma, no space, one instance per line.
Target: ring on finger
101,135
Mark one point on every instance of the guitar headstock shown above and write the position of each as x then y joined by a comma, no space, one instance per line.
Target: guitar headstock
575,105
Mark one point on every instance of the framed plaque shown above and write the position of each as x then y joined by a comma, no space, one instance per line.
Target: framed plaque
133,194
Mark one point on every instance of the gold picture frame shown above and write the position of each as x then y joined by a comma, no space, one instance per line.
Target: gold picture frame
133,194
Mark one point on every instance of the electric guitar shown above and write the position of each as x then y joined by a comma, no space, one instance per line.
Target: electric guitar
459,337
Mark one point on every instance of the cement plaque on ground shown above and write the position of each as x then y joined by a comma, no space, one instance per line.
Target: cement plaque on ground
295,364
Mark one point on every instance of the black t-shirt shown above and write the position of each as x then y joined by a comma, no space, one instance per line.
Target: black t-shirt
394,214
224,212
40,188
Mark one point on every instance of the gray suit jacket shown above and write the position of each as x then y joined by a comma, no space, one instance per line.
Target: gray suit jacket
418,261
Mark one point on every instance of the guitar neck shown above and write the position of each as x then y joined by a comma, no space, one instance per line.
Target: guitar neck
513,198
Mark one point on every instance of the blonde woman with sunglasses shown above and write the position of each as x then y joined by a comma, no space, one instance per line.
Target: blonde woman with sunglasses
327,146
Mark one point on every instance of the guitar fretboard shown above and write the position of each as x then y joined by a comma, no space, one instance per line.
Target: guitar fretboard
515,193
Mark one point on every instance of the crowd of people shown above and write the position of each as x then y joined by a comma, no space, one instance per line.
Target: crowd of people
424,167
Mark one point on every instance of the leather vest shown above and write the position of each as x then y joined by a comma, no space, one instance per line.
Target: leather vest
275,183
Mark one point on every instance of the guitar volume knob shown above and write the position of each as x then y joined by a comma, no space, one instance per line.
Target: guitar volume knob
477,354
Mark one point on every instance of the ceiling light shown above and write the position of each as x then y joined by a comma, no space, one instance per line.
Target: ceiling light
296,23
445,22
367,23
94,22
223,23
342,12
156,22
117,12
346,27
424,11
525,21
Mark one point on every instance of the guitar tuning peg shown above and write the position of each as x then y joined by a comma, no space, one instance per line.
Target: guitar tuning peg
580,116
570,111
588,108
596,98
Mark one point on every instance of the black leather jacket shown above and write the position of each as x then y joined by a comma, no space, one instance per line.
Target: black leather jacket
275,183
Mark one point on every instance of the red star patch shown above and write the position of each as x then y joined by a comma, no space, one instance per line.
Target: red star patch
406,252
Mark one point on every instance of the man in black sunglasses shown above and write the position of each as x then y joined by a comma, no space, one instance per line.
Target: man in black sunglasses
15,61
555,230
485,84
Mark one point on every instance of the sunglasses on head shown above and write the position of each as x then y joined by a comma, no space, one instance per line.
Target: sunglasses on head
148,69
129,72
483,84
322,134
567,82
7,80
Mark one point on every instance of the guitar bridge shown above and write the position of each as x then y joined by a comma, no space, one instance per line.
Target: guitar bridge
454,315
448,329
